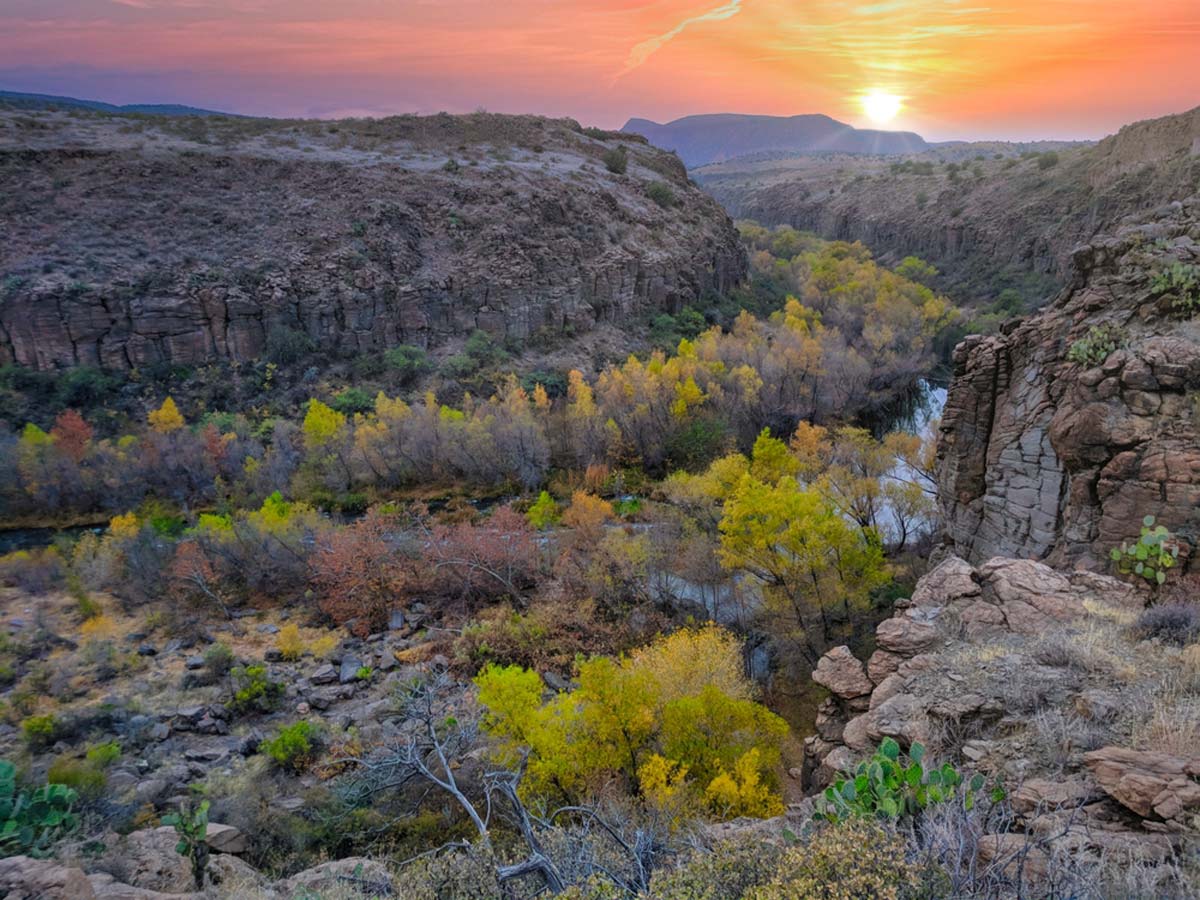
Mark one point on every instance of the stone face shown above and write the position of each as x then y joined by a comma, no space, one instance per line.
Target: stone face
24,878
905,636
1044,458
1152,784
356,255
843,674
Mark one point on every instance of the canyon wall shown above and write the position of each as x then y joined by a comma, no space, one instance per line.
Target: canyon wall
131,242
1046,458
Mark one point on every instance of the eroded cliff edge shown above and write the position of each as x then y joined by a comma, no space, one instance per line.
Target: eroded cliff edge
1042,457
133,241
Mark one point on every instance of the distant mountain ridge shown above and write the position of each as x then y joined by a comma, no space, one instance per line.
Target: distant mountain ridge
44,101
705,139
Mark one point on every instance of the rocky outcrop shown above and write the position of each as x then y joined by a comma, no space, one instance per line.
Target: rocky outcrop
1044,457
1003,647
169,247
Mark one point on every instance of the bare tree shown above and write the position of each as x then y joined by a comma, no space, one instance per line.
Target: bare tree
440,735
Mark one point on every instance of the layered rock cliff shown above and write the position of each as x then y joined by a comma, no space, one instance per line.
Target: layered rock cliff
1045,457
136,241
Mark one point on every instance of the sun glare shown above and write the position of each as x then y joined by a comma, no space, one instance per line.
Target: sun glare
880,106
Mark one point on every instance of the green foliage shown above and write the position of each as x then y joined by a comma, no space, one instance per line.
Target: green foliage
407,361
253,690
544,511
660,192
31,821
191,826
40,731
730,870
218,660
84,776
104,755
294,748
353,400
887,787
1095,347
288,345
1047,160
856,860
1182,281
1151,556
479,352
616,160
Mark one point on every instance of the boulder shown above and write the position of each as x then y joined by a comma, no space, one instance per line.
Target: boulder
843,674
905,636
367,875
1150,783
25,878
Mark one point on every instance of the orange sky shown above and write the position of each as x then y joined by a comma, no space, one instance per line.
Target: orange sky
966,68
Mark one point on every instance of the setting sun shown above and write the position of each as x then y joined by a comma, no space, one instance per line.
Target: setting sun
880,106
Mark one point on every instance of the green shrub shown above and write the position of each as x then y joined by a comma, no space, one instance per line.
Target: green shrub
1151,556
1095,347
80,775
288,345
294,748
218,660
31,821
253,690
1047,160
660,192
616,160
885,787
544,511
731,869
407,362
856,859
352,400
40,731
1183,282
104,755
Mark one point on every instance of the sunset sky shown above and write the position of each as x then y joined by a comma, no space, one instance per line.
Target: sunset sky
961,68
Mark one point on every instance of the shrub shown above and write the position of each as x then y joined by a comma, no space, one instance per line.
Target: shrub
731,869
544,511
218,660
886,787
40,731
1184,282
82,776
31,821
253,690
294,748
289,643
850,859
407,361
1151,556
288,345
616,160
1177,622
1094,348
352,400
1047,160
104,755
660,192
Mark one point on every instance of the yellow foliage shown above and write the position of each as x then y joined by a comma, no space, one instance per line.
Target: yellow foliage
742,792
587,512
124,526
321,424
289,643
99,628
687,660
323,646
166,418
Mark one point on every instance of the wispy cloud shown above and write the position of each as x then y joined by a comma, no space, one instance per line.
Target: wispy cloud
647,48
